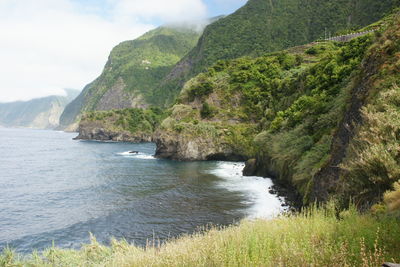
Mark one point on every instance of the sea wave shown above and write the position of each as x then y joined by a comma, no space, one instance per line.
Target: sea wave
263,204
137,156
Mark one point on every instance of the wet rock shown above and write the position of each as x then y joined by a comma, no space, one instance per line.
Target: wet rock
250,168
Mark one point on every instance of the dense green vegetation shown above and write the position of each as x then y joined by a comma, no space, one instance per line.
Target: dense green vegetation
133,71
273,93
315,237
133,120
142,63
295,102
297,142
265,26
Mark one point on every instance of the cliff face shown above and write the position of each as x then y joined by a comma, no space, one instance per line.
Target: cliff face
41,113
133,70
179,147
185,135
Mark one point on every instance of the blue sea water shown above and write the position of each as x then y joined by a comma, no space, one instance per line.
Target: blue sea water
55,189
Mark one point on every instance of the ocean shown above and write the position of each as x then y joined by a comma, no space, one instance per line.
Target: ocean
55,190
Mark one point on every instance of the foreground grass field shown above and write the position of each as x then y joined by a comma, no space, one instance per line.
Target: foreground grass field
315,237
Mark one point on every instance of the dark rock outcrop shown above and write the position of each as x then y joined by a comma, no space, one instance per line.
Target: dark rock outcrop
250,168
184,148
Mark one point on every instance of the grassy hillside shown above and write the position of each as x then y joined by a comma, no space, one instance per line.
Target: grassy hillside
315,237
264,26
36,113
133,70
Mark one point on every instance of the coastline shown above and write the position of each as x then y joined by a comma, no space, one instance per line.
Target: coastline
291,201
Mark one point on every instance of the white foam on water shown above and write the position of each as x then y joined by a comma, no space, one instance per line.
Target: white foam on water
255,189
137,156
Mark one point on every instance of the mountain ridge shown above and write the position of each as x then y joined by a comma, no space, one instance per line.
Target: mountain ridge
132,71
41,113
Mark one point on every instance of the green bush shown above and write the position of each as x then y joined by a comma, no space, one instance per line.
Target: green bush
312,51
207,111
203,87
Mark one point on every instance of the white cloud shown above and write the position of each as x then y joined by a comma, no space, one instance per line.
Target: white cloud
169,11
48,45
227,3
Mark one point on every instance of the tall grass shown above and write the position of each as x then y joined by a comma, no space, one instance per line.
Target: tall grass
392,198
314,237
372,164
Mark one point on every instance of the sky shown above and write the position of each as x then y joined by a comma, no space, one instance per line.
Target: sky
49,45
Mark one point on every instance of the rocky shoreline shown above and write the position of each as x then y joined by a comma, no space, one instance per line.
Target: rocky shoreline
183,148
292,198
173,146
102,134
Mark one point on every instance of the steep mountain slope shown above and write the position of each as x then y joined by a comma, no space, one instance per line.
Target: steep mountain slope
41,113
271,25
133,70
304,114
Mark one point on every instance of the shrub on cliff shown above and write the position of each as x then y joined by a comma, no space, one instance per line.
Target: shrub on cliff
207,111
202,88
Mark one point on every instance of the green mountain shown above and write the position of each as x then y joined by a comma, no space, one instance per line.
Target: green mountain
271,25
133,70
41,113
322,117
256,28
285,110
